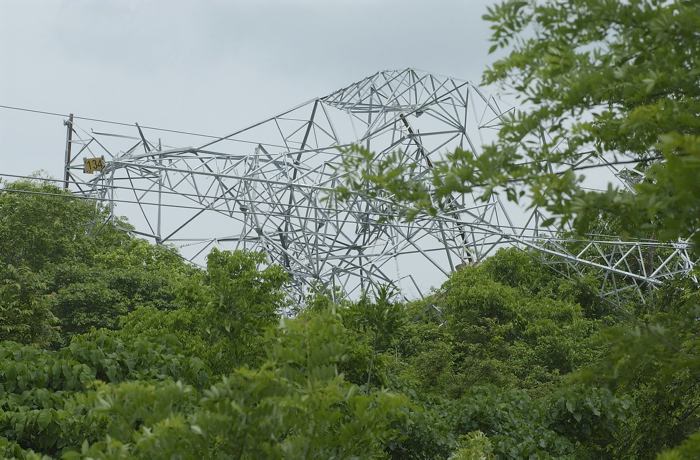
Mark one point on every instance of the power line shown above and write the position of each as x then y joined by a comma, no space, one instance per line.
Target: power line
134,189
471,231
111,122
243,200
210,136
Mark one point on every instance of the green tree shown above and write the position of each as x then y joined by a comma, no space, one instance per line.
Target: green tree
600,78
655,361
618,77
60,258
223,312
507,335
103,397
25,314
115,281
40,224
688,450
607,79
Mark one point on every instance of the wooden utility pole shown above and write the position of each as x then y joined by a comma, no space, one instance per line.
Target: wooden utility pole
69,143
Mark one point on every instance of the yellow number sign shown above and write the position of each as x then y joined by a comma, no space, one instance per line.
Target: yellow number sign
90,165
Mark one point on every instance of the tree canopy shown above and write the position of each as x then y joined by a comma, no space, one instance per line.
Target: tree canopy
593,78
505,360
113,348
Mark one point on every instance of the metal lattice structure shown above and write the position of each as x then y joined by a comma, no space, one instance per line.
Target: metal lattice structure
269,187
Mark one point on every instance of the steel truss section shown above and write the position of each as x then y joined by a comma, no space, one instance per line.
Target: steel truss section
269,187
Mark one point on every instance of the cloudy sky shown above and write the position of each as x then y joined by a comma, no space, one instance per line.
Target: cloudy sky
208,66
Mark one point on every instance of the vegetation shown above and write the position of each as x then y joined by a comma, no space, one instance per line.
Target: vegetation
613,79
112,348
505,360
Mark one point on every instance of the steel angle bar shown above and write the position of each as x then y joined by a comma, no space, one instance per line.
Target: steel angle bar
281,192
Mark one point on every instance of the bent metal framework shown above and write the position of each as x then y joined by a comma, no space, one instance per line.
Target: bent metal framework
269,187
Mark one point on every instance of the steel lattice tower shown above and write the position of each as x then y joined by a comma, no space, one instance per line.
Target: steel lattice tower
268,187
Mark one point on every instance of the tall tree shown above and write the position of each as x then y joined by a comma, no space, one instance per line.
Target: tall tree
606,77
611,79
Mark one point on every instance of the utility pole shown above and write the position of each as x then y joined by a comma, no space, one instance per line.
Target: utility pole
69,143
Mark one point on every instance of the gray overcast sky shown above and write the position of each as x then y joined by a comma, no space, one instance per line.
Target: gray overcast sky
208,66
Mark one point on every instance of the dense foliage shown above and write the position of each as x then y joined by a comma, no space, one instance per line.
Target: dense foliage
603,79
112,348
505,360
68,272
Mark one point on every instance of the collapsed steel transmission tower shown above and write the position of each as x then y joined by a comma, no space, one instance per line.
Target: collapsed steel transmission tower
269,187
